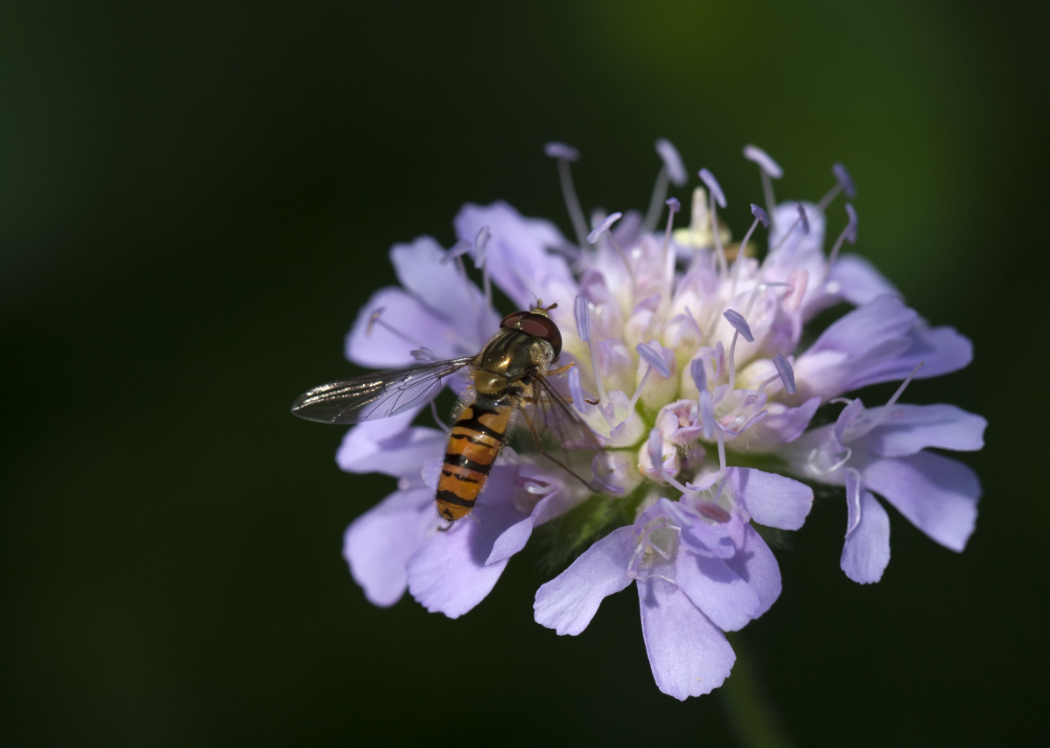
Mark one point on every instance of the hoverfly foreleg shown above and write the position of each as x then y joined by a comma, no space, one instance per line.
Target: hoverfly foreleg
549,456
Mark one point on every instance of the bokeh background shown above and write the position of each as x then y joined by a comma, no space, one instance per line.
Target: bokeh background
195,199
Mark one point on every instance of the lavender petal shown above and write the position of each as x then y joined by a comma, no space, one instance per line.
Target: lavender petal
568,602
688,654
867,549
716,590
771,499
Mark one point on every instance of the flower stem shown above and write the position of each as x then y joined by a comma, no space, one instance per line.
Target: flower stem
748,709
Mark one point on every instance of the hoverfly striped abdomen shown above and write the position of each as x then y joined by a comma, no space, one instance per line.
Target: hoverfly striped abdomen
473,446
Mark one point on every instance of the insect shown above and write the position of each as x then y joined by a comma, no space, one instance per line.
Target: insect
510,372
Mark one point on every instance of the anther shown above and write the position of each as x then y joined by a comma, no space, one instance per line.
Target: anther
673,170
583,327
740,325
565,155
604,226
848,234
653,360
769,169
787,374
843,183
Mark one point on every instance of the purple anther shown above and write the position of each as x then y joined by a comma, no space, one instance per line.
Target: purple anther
673,205
736,319
845,180
583,318
652,357
760,214
672,162
561,151
699,374
787,374
851,228
576,390
765,163
803,218
712,184
603,227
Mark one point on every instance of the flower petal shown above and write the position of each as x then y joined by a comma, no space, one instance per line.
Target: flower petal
867,549
389,446
449,574
517,256
689,655
911,428
857,281
937,494
716,590
425,272
771,499
756,565
568,602
404,325
941,350
378,544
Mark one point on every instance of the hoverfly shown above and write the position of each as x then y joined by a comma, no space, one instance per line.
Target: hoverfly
510,372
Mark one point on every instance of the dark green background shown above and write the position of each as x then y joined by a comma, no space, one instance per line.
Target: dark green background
195,199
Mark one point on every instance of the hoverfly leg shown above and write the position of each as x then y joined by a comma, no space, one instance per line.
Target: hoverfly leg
561,369
447,527
545,453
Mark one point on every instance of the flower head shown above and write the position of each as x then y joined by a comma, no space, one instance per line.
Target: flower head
688,376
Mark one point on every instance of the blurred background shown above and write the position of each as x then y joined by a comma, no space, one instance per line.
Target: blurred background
195,199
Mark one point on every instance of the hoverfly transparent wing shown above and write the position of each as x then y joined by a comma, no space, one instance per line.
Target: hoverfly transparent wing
377,395
564,424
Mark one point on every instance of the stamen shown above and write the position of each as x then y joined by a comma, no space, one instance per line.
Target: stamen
603,227
848,234
760,217
853,496
758,290
740,325
717,196
583,327
653,358
673,170
638,391
868,428
437,418
786,373
704,401
802,219
565,155
673,206
843,183
375,320
423,355
769,169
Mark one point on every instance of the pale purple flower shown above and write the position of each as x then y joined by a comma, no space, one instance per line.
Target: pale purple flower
688,367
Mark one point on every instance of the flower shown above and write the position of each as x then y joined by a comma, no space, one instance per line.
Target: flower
687,365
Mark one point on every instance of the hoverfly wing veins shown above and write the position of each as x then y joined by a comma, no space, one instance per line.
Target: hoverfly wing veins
377,395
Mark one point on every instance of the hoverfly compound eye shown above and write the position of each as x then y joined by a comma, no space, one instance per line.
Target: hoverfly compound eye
542,327
510,322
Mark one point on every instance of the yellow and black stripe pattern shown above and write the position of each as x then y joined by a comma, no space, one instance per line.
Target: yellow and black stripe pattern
473,445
